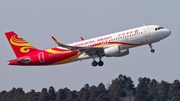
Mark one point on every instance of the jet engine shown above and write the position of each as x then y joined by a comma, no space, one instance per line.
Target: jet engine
115,51
123,53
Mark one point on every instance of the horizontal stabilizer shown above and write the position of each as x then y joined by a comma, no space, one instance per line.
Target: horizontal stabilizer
20,60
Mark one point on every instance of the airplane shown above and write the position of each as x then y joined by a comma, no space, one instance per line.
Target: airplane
111,45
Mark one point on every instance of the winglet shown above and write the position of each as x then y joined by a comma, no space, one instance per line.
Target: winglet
56,41
82,38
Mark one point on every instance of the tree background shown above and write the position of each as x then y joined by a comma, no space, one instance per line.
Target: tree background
121,89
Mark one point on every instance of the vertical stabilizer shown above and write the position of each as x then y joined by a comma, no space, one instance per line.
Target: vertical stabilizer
19,45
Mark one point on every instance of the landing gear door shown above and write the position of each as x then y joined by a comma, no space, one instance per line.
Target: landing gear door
146,31
41,57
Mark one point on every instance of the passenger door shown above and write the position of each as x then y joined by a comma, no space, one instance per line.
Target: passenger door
146,31
41,57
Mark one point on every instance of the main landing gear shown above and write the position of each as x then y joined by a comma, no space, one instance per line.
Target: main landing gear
152,50
95,63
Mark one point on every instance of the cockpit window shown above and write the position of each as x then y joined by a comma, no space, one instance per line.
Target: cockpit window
158,28
161,28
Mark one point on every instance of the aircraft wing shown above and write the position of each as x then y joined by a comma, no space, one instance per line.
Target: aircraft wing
87,50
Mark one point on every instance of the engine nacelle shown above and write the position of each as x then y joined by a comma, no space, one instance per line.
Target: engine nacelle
123,53
115,51
112,51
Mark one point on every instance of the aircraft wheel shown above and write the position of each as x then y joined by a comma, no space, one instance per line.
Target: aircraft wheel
94,63
100,63
152,50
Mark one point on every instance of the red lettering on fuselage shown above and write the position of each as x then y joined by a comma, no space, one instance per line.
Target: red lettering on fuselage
106,38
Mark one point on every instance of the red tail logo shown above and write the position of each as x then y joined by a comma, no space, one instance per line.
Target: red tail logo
19,45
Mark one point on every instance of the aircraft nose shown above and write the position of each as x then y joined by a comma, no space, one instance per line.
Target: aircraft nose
167,32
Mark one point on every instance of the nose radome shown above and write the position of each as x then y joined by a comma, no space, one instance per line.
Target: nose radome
168,32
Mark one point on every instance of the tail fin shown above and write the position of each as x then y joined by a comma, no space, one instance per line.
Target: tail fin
19,45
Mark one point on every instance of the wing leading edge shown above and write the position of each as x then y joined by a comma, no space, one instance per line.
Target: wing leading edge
87,50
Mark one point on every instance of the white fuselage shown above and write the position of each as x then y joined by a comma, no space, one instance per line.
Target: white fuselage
125,39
